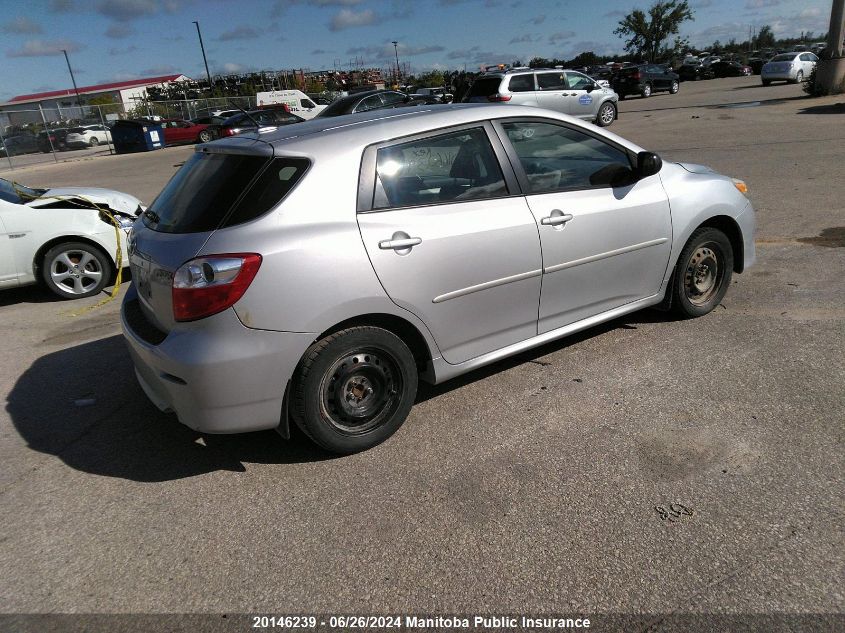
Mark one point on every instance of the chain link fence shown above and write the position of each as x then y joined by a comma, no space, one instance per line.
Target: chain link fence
39,135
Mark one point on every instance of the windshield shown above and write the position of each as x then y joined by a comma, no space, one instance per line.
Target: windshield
17,193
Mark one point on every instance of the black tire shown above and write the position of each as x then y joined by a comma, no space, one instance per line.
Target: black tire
204,137
353,389
703,273
622,96
799,77
606,115
94,141
94,270
767,82
674,87
646,91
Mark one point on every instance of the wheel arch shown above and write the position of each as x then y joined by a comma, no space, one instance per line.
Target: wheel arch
730,228
404,329
38,259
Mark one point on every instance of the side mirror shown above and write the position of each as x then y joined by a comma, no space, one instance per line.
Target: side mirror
590,87
648,164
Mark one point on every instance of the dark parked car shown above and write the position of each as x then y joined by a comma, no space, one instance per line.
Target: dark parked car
730,69
369,100
209,120
49,140
21,144
644,79
694,72
246,121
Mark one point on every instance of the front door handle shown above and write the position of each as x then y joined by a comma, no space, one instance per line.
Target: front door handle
399,242
556,218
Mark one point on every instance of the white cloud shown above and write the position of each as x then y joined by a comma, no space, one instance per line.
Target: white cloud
22,25
347,18
44,48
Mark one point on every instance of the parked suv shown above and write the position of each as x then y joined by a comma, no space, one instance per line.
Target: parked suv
565,91
87,136
645,79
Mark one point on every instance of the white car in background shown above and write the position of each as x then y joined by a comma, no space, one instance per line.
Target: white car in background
63,237
88,136
789,67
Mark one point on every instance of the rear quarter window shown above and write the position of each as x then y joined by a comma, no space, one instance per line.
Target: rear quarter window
213,191
485,86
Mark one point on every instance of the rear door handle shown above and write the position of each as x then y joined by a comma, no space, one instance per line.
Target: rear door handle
399,244
556,219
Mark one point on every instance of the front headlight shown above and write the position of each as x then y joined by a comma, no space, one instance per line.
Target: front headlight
124,221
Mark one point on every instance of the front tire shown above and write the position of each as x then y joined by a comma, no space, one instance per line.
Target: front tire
703,273
646,91
205,137
799,78
767,82
94,141
606,115
673,89
353,389
74,270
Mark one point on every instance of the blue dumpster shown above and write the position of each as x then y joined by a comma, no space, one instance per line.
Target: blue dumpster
136,135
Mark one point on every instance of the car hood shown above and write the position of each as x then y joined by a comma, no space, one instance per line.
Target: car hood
696,169
115,200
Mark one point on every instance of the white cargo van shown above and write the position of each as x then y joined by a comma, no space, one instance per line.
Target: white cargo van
297,102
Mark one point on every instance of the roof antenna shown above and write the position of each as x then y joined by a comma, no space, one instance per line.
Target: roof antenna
249,116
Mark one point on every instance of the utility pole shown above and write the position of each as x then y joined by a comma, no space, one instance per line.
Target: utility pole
830,72
396,52
73,80
205,61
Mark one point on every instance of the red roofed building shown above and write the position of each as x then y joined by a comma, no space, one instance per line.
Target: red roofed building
62,104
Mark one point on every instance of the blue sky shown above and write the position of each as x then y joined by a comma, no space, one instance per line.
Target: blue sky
112,40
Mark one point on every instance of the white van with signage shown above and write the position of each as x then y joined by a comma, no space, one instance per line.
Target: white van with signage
297,102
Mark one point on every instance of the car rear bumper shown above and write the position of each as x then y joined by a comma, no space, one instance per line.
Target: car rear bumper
778,76
221,377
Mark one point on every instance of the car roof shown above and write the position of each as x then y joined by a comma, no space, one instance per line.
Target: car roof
360,130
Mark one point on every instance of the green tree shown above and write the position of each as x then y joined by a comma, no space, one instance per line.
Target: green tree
765,37
539,62
645,35
587,58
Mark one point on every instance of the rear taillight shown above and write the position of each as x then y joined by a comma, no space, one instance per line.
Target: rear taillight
210,284
498,97
637,75
230,131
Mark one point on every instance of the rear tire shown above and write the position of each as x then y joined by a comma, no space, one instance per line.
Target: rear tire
353,389
94,141
204,137
646,91
799,78
767,82
673,89
703,273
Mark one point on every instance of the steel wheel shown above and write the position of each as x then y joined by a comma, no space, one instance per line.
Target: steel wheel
607,114
702,276
799,77
703,272
353,389
646,91
94,141
74,269
674,88
205,136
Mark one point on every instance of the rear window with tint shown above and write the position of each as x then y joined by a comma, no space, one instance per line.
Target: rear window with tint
485,87
213,191
788,57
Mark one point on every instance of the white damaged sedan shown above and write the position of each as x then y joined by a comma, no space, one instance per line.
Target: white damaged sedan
66,237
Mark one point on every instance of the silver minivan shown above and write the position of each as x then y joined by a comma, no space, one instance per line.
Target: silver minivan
565,91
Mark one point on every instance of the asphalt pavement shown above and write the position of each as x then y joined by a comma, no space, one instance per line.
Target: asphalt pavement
531,486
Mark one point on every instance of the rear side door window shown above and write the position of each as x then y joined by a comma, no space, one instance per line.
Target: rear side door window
521,83
452,167
551,81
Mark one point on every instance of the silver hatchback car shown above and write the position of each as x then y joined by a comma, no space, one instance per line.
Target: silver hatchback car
315,273
565,91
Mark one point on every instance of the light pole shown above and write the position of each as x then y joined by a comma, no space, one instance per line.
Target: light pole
73,80
396,51
205,61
